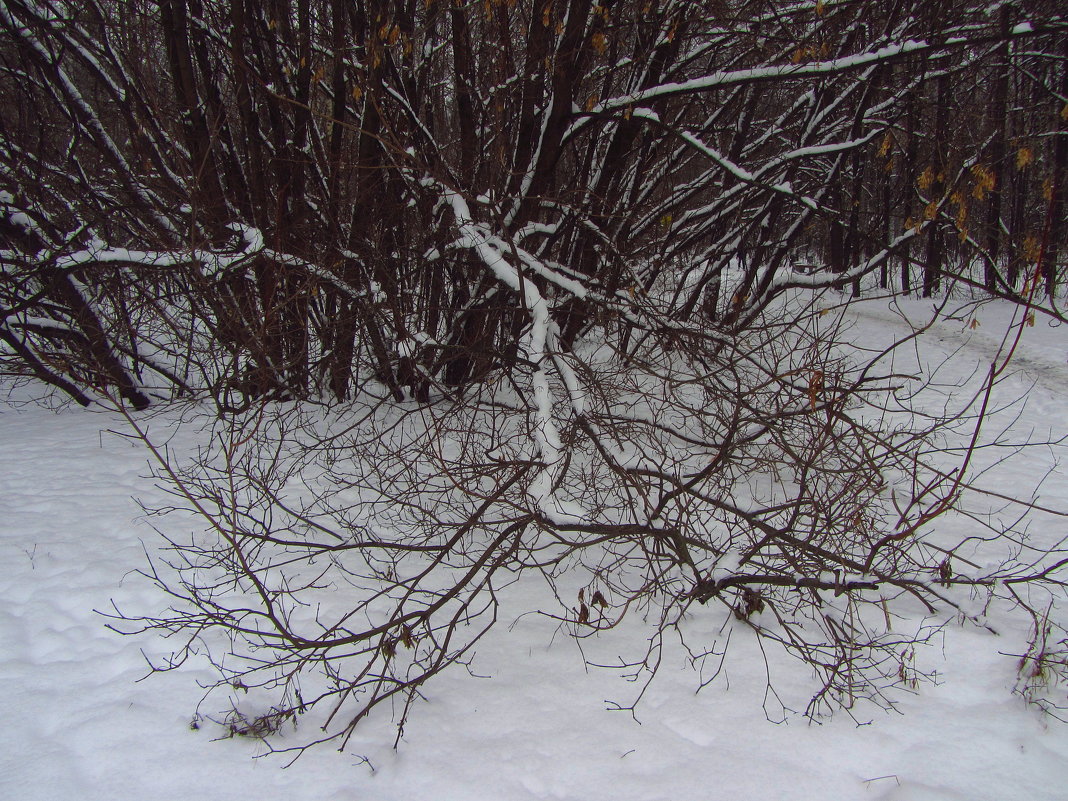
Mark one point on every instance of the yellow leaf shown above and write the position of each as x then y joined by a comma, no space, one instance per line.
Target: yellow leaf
1032,249
984,181
925,179
974,323
815,386
357,93
1030,320
599,42
820,8
1024,156
666,220
884,146
931,210
591,102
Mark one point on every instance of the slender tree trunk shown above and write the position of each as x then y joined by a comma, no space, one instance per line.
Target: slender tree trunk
997,156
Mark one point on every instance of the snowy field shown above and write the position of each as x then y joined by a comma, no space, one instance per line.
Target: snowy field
534,723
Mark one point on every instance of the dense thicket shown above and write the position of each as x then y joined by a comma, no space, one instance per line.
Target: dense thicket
556,267
292,196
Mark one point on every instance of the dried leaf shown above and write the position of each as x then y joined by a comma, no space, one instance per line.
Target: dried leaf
1032,249
815,387
750,602
985,181
925,179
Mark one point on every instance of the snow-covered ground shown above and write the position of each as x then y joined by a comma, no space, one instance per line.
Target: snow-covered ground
535,723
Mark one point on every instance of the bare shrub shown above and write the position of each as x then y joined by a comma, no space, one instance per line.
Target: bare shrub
772,478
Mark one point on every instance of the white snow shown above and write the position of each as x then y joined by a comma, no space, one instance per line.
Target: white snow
78,725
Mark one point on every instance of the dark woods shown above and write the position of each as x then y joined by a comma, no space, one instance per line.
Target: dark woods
254,198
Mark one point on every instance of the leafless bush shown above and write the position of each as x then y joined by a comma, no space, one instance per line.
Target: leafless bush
771,479
555,269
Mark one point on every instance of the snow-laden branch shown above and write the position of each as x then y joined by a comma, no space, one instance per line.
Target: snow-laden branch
90,119
540,344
